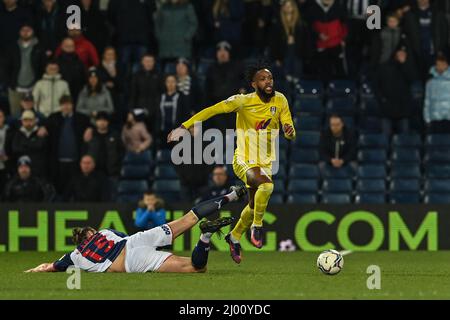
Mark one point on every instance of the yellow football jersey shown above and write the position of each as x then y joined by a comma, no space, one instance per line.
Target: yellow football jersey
257,124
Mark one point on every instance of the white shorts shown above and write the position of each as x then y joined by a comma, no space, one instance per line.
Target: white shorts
141,254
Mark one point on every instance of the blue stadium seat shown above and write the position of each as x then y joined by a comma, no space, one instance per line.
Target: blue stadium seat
371,172
165,172
307,139
405,171
304,198
164,185
437,171
366,90
276,199
370,198
437,156
308,123
410,140
372,156
437,185
404,198
338,173
169,196
369,107
132,186
279,186
374,141
371,186
342,88
405,155
135,172
341,106
308,105
437,198
304,171
163,156
437,140
309,155
303,185
282,157
129,198
336,198
310,88
404,185
143,158
280,174
337,186
283,144
370,125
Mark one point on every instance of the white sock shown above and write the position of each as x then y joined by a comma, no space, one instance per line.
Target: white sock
206,237
233,239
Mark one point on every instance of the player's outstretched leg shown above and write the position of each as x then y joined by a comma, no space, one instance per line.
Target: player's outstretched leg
199,257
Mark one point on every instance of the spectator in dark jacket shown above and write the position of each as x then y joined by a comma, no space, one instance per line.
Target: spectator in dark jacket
427,28
146,88
83,48
150,212
25,187
71,67
94,25
27,141
219,185
67,130
88,185
4,131
24,66
134,28
51,25
12,18
327,18
26,103
105,146
337,145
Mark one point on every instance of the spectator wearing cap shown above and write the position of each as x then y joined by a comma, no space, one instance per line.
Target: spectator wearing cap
173,108
24,66
25,187
12,18
94,97
83,48
50,89
52,25
135,136
71,67
4,137
105,146
89,185
66,130
146,89
175,28
187,84
224,78
26,103
27,141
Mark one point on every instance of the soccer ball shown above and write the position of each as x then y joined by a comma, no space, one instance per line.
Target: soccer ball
330,262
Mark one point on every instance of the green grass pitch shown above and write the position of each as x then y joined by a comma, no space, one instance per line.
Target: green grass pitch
261,275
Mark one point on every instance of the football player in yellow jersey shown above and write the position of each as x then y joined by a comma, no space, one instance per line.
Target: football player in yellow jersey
258,114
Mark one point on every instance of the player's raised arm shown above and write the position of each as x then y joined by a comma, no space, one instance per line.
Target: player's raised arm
226,106
286,121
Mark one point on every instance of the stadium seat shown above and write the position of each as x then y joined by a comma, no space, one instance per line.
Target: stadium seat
369,107
169,196
341,106
130,172
283,144
279,186
437,156
405,156
336,198
371,172
366,90
276,199
308,123
372,156
404,185
345,172
303,185
437,140
370,198
411,140
371,186
165,172
304,171
307,139
308,106
132,186
310,88
305,198
437,198
282,157
129,198
337,186
309,155
417,89
163,156
404,198
437,171
369,125
280,173
143,158
166,186
342,88
405,171
437,185
374,141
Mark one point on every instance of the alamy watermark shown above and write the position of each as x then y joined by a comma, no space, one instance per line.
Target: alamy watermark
74,280
374,17
374,280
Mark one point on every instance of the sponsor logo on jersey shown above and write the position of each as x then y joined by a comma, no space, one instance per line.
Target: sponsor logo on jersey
166,229
263,124
273,110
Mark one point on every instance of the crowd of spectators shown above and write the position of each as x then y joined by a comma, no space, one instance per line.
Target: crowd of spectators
74,102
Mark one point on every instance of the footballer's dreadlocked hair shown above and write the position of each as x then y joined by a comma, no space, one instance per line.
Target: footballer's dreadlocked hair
80,234
252,69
